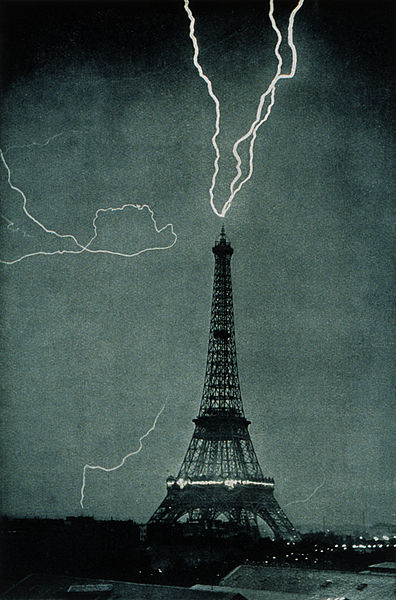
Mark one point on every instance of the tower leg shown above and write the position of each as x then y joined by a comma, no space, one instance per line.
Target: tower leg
277,520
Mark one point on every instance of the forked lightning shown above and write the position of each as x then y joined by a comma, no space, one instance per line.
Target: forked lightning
308,497
109,469
81,247
259,120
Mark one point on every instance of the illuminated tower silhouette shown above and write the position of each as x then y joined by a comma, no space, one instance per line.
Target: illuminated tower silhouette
220,477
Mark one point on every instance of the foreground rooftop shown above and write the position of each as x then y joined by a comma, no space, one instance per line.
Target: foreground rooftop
54,587
312,584
246,582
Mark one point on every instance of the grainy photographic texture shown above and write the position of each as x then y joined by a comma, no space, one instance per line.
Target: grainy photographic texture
102,106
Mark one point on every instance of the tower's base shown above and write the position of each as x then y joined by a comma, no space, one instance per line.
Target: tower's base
204,506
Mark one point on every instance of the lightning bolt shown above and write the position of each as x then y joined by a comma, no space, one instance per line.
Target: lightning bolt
40,144
259,120
14,228
214,98
308,497
109,469
252,132
81,247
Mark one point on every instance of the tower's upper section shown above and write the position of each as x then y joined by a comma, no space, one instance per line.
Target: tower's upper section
221,393
222,245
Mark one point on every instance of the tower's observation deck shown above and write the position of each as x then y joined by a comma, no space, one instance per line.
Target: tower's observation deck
220,475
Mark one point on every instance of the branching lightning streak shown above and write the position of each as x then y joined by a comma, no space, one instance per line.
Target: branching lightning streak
270,90
308,497
109,469
214,98
259,120
82,247
39,144
14,228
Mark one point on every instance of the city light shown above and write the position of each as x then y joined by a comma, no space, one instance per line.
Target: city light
228,483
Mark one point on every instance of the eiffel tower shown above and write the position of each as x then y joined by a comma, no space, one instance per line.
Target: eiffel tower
220,477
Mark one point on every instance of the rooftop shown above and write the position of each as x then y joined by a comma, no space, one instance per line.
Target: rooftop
250,594
54,587
384,567
311,584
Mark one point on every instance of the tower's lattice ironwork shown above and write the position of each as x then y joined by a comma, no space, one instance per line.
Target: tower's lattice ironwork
220,477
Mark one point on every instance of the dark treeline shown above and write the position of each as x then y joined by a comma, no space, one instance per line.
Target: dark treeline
122,550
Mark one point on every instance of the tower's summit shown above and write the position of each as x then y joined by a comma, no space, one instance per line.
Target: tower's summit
222,245
220,476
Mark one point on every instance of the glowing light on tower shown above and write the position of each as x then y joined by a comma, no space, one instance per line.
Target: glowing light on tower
109,469
259,120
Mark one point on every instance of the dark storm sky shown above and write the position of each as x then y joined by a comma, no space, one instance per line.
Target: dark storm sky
94,345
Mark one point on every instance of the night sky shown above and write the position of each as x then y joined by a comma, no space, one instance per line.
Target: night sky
95,344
